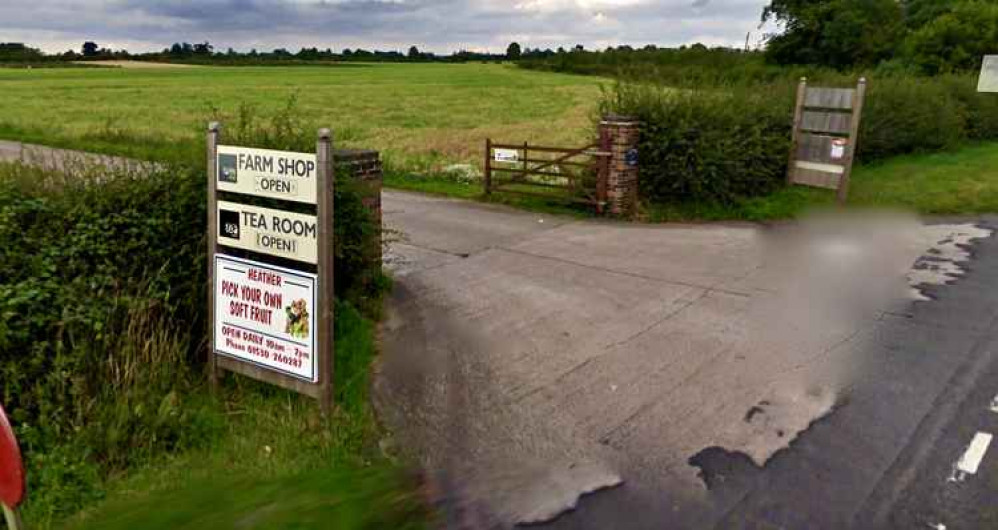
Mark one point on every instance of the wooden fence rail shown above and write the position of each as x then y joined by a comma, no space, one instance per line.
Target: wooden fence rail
581,172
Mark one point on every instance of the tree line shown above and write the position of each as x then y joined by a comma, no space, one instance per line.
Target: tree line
205,52
917,36
928,36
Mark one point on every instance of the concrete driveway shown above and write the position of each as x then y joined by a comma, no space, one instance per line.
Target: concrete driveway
823,374
531,359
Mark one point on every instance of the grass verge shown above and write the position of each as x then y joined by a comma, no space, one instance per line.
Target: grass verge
271,462
963,181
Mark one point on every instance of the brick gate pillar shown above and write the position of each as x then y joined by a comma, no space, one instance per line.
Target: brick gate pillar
622,134
364,165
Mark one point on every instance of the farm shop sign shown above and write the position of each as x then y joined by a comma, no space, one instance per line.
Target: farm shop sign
265,315
267,231
266,173
272,322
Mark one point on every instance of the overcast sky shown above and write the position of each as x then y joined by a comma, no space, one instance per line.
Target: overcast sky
440,26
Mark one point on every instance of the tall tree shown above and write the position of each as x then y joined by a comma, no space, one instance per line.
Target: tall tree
837,33
513,52
414,53
203,48
90,49
955,40
918,13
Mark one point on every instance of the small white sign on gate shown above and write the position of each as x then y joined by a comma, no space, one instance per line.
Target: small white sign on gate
265,315
506,155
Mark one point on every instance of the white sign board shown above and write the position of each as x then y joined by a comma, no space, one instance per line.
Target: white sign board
265,173
274,232
989,75
506,155
265,315
838,148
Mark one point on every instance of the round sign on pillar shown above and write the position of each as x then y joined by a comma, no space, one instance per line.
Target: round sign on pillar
631,157
11,468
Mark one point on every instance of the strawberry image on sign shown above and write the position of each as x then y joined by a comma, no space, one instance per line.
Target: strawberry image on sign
297,325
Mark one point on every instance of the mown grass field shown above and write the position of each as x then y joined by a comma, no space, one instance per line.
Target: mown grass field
421,116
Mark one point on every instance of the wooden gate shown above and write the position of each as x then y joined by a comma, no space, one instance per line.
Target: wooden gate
577,174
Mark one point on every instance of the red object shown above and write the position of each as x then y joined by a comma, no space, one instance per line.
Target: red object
11,467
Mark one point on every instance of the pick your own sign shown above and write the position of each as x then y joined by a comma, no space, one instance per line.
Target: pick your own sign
272,322
265,315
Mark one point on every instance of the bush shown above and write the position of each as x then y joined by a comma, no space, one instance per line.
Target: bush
102,315
707,146
905,115
723,143
980,109
693,66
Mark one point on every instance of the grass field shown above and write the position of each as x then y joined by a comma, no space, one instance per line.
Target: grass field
421,116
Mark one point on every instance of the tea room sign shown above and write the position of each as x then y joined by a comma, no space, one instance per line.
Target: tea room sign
268,231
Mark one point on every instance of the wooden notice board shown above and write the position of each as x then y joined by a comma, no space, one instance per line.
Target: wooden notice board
825,132
270,268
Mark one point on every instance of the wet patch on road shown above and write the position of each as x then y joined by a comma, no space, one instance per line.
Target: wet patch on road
535,492
718,466
947,249
773,423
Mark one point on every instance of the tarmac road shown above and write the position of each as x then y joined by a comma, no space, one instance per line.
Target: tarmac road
715,376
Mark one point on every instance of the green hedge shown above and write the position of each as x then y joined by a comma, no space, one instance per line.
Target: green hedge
712,146
102,298
720,144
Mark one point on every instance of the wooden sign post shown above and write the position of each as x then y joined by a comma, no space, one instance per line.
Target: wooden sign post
270,267
825,133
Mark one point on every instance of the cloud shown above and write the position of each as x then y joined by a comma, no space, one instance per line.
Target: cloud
434,25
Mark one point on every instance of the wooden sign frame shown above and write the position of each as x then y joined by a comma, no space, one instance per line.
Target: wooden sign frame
322,389
825,134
